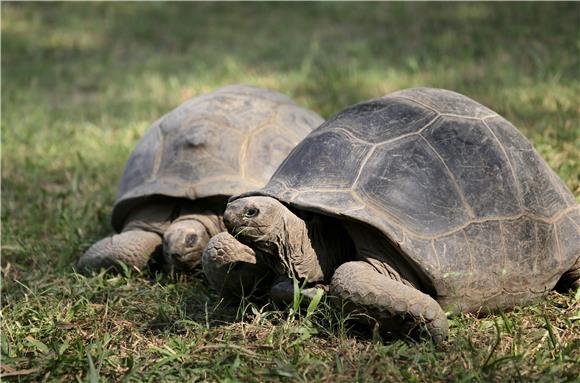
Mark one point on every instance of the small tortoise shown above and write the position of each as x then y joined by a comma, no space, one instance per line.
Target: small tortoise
407,205
177,181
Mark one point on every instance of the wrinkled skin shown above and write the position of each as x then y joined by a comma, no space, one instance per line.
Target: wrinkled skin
279,244
232,268
279,236
297,248
234,271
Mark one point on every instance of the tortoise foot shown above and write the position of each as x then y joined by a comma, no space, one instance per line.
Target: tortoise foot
133,248
231,267
399,310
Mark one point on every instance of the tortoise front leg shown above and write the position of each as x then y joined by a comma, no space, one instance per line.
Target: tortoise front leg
133,248
233,270
399,309
231,267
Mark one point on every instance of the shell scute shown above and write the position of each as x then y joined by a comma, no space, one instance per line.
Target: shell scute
477,164
383,119
406,179
445,102
329,160
543,192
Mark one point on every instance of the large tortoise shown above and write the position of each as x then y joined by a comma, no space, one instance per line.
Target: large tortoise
408,205
177,180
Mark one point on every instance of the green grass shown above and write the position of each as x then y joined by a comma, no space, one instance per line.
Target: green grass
81,83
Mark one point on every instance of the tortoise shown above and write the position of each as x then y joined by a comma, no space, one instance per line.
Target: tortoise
176,183
406,206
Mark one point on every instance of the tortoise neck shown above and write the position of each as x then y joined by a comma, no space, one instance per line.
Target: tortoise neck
331,243
313,246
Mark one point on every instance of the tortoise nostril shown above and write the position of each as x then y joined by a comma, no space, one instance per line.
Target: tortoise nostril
175,255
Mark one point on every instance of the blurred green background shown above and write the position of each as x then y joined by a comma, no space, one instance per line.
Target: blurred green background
81,82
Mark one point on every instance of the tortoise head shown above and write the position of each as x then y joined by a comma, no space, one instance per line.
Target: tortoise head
255,221
183,244
279,237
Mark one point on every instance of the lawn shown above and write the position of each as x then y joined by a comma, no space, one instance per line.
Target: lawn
81,82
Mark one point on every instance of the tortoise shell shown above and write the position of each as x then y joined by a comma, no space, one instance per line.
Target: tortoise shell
457,189
215,145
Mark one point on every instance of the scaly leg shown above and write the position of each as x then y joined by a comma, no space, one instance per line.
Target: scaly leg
398,308
231,267
133,248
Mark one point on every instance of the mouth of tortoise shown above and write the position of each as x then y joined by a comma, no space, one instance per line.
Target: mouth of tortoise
191,257
187,256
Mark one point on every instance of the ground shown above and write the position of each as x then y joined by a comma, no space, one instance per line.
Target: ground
81,82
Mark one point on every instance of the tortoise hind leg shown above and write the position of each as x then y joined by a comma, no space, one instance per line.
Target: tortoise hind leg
133,248
399,309
570,280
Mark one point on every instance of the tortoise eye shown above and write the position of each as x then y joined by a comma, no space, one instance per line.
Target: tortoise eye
251,212
191,240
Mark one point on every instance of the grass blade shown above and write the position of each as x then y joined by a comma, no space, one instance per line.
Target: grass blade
314,302
93,375
296,299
